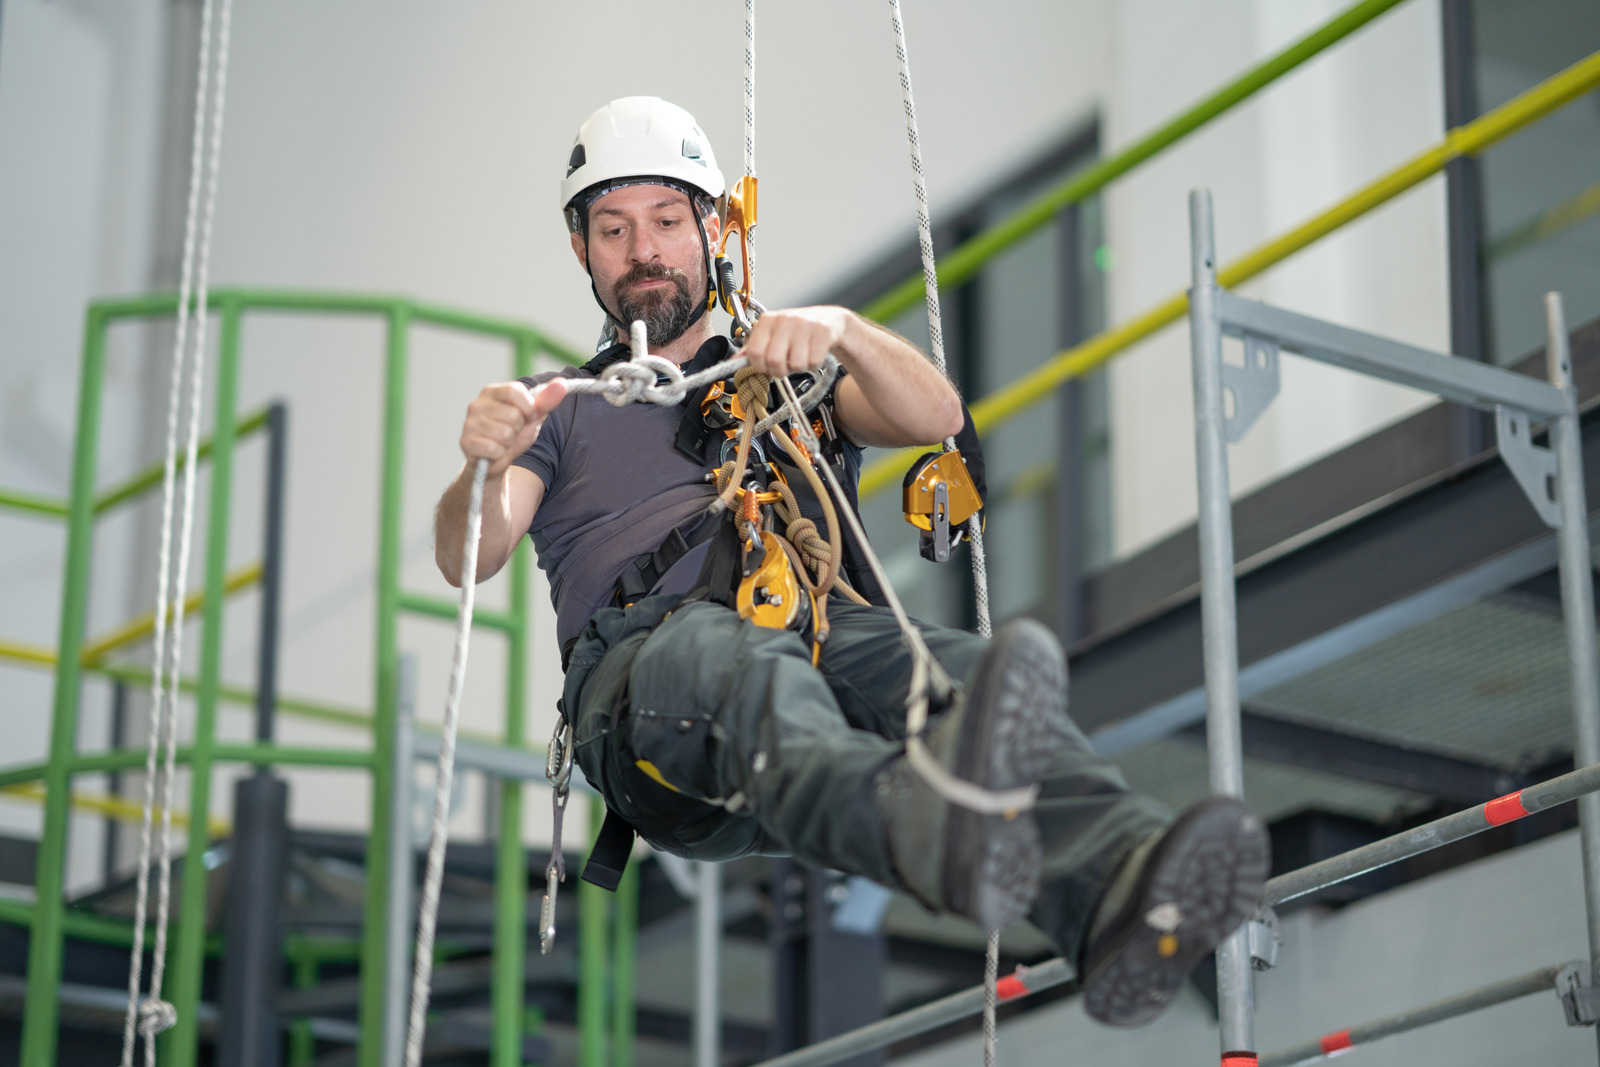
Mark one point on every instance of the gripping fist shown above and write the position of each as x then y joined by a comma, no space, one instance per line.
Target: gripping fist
794,340
504,419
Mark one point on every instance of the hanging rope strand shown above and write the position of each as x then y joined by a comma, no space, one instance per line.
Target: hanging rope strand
153,1015
433,880
186,533
980,569
750,120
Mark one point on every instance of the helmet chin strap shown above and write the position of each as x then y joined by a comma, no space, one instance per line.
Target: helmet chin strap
620,328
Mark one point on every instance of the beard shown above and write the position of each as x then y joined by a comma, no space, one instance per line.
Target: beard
665,312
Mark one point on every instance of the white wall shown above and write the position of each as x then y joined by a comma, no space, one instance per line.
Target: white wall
416,148
1492,920
1300,146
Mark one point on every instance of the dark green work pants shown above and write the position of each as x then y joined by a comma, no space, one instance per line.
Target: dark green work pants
716,738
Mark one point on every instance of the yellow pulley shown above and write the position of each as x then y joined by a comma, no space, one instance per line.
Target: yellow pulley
938,497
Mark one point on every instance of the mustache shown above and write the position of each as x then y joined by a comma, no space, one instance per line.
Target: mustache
645,272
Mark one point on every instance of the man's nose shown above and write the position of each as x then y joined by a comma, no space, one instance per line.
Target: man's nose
644,247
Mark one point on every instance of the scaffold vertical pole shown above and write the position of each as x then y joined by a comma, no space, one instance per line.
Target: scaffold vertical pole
1218,608
1577,605
708,977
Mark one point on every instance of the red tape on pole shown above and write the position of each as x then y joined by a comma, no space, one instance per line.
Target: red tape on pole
1239,1059
1505,809
1009,987
1336,1043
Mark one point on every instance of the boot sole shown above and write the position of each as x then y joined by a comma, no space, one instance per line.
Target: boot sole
1013,727
1202,881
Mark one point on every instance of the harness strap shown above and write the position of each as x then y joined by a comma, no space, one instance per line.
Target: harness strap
609,857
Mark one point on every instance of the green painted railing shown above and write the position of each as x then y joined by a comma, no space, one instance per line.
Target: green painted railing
48,918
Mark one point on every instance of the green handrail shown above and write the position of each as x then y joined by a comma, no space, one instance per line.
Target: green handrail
966,259
1469,139
48,918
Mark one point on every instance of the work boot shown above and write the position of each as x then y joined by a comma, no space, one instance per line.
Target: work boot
1002,733
1176,895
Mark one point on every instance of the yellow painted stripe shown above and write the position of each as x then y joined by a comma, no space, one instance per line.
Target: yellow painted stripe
136,629
112,807
1003,404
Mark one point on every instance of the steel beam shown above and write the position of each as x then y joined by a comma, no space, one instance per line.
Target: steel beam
1329,1045
1219,610
1462,381
1368,759
1577,604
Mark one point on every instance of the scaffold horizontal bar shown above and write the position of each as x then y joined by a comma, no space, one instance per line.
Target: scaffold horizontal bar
920,1020
1432,835
1463,381
512,764
1463,1004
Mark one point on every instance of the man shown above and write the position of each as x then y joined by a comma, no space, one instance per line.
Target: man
714,737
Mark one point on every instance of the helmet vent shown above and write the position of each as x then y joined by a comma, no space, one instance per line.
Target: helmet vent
576,160
691,150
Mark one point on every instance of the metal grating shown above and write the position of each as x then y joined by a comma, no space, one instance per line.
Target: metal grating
1487,681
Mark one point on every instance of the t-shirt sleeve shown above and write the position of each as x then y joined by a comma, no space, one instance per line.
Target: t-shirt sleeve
543,458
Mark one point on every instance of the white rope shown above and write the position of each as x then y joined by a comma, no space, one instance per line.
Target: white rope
428,912
750,118
980,569
151,1015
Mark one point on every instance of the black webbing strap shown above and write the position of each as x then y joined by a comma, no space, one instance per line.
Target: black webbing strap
609,857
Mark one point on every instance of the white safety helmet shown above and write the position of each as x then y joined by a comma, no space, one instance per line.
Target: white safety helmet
630,141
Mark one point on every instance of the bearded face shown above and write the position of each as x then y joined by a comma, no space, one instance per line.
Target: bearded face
665,309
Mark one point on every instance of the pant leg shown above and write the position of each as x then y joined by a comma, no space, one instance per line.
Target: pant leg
1087,817
723,708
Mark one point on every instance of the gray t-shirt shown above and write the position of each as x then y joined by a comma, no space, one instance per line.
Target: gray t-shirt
615,487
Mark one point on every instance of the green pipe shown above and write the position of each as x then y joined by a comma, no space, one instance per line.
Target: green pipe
124,759
302,1043
181,1044
511,860
971,255
292,300
152,475
292,755
624,1009
17,500
40,1015
374,954
593,903
438,608
73,923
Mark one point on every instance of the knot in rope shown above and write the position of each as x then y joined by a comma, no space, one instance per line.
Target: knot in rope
156,1015
753,389
640,379
625,383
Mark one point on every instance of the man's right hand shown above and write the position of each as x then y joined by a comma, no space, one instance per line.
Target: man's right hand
504,419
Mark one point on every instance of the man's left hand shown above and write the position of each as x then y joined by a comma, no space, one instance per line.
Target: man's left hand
796,339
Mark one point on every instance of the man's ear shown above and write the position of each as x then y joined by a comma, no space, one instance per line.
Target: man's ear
580,250
713,228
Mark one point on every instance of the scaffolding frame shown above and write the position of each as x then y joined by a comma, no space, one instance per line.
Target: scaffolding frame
1551,477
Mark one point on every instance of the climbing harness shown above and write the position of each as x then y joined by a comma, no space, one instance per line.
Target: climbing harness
150,1015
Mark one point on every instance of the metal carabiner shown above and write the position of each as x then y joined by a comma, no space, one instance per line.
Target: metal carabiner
558,772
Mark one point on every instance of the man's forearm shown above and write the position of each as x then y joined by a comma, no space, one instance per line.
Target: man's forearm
497,540
913,403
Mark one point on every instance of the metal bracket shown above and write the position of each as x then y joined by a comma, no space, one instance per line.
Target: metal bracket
1533,467
1265,937
941,521
1579,999
1254,385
